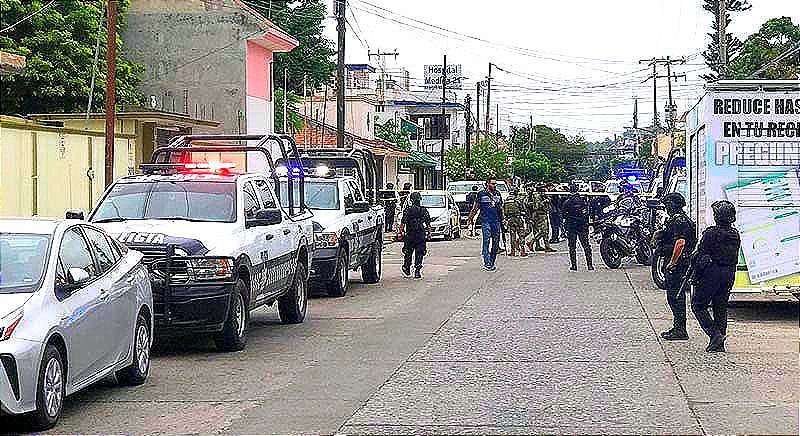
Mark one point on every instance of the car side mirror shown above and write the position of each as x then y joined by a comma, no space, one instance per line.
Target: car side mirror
265,217
75,214
358,207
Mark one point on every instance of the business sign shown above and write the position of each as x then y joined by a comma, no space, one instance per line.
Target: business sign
745,147
433,76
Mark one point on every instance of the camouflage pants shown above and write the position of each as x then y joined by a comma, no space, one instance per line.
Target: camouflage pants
516,227
539,227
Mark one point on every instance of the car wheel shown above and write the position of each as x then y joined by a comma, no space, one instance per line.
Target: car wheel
293,305
657,268
136,373
49,390
233,336
372,270
448,235
338,286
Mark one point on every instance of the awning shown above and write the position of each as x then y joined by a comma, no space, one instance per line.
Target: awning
417,159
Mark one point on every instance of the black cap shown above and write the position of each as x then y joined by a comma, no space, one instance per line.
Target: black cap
724,212
674,199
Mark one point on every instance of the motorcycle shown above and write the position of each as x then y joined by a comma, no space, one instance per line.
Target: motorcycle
621,237
662,252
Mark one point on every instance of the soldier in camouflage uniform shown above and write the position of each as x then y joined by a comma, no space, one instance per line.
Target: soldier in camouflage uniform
538,211
514,214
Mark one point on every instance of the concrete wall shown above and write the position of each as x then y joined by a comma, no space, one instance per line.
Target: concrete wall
168,37
359,117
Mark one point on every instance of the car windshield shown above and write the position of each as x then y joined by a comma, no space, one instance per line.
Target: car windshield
23,257
460,188
187,200
432,200
318,195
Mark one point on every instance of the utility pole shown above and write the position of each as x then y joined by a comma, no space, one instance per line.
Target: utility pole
286,97
340,84
488,96
111,78
497,119
722,23
308,113
654,62
478,112
444,116
381,59
468,103
530,135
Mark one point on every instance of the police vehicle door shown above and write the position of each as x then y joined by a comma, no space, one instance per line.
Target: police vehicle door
258,242
282,257
365,220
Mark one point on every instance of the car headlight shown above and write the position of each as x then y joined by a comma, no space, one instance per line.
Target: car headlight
9,323
181,252
220,268
326,240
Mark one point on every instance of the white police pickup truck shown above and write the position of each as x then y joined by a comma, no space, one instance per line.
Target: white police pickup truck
217,244
348,231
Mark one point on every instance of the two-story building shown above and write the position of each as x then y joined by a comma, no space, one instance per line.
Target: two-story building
209,59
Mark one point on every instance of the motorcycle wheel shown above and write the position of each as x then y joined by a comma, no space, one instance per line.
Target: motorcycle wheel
657,267
644,253
611,256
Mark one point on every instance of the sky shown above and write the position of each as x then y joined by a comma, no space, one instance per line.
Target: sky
571,64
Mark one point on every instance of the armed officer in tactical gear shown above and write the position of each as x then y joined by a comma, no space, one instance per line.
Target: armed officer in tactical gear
514,214
576,219
538,211
414,228
678,236
715,271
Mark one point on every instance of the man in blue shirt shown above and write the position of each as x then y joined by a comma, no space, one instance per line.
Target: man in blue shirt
491,207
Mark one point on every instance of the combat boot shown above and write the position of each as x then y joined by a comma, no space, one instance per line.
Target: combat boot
512,253
675,334
548,248
589,265
716,345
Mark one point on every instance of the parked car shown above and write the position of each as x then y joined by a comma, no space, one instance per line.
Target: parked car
75,307
459,190
348,232
445,220
217,242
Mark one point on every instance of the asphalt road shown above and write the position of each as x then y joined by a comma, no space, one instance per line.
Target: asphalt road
530,348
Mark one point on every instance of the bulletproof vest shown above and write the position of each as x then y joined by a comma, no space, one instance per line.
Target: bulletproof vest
722,245
513,207
680,226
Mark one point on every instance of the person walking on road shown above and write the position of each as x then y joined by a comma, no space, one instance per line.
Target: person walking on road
471,199
679,233
576,219
415,227
538,214
490,204
715,271
514,211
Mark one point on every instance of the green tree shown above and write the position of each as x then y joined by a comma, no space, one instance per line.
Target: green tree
295,122
389,132
532,166
774,38
486,159
734,44
312,57
59,45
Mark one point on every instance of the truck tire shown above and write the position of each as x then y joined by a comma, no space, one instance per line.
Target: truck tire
233,336
338,286
292,306
371,271
610,254
136,373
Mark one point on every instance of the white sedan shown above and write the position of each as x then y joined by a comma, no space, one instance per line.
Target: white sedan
75,307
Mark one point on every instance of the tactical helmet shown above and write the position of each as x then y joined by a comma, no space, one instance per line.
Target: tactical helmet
416,198
674,200
724,212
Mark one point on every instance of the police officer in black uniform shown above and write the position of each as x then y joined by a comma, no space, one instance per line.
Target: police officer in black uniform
715,263
575,211
415,226
679,235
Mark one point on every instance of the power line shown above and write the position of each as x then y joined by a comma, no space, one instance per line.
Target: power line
29,16
784,55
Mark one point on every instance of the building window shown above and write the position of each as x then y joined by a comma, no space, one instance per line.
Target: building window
436,126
